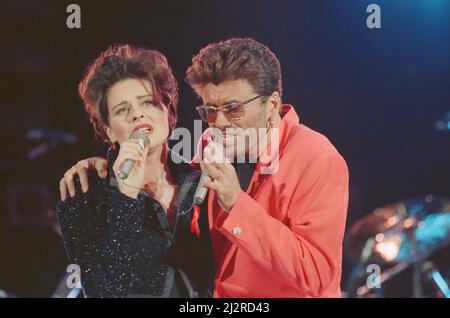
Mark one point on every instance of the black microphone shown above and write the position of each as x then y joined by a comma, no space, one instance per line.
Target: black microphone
127,165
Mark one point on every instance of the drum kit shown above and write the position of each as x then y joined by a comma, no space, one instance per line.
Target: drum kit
408,245
407,235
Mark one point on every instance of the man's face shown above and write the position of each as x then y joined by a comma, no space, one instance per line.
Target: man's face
234,132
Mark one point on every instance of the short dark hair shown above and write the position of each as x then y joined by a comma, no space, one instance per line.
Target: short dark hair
236,58
120,62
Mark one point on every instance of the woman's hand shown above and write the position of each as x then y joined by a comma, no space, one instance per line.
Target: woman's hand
131,149
67,185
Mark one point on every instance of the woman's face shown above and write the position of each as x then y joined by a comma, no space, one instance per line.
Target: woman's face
132,106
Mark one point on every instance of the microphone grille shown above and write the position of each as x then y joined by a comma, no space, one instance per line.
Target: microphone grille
140,135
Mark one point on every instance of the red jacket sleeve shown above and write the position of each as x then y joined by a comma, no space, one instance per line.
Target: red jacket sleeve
306,249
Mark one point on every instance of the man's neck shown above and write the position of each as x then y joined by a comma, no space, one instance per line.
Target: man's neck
268,138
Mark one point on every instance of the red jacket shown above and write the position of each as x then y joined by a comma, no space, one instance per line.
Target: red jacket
283,236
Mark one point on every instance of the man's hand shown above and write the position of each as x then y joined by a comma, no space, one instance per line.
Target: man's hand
67,185
224,178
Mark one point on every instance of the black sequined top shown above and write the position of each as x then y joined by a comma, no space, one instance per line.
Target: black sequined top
126,248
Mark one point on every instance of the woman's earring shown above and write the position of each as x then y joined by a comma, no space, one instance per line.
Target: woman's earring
270,121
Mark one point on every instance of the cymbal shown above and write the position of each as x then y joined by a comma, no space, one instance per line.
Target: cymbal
403,231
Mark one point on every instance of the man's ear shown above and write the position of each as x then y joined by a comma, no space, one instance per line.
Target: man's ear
273,104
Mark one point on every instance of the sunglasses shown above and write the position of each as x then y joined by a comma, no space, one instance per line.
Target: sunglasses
232,111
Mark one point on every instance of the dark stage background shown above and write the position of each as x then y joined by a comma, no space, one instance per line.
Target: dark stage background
375,93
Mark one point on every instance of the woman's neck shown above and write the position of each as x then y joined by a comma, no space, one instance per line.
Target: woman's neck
157,174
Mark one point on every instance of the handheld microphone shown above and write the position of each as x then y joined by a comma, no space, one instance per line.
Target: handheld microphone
127,165
200,192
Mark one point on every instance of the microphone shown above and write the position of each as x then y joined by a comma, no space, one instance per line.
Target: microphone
200,192
128,164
